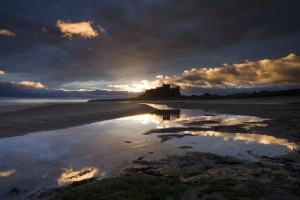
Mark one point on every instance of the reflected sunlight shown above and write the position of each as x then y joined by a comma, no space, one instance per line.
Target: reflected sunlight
143,119
159,106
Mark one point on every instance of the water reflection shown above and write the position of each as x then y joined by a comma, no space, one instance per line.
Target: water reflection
224,120
159,106
168,118
70,175
248,138
6,173
104,148
167,115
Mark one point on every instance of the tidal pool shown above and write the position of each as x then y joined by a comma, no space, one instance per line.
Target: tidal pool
56,158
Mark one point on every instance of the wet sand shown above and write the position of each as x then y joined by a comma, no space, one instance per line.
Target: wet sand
20,120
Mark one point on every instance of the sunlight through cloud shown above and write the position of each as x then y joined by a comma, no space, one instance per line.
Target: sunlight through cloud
136,86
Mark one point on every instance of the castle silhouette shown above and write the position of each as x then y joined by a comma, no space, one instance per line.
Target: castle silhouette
161,92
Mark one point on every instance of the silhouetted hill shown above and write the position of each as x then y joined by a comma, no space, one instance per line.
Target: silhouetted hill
207,96
293,92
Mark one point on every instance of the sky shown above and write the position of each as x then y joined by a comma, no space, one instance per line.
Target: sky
122,47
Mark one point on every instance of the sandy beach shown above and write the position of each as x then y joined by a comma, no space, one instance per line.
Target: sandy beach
198,174
19,120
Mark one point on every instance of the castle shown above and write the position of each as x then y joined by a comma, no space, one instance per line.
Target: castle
161,92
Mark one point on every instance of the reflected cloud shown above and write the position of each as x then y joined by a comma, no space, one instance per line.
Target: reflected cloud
140,144
70,175
248,138
165,118
225,120
7,173
210,121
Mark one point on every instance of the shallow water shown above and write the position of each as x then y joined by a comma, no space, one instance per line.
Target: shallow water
55,158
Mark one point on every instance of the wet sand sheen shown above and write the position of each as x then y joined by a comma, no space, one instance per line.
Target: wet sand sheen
19,120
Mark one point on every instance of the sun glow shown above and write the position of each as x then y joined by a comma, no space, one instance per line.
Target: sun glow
135,87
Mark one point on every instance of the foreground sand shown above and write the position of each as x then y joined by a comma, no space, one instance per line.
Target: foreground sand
19,120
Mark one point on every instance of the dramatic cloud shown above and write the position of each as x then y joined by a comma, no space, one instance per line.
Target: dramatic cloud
7,33
139,39
84,29
35,85
2,72
267,72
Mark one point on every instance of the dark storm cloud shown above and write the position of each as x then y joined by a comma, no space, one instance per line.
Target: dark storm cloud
140,37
